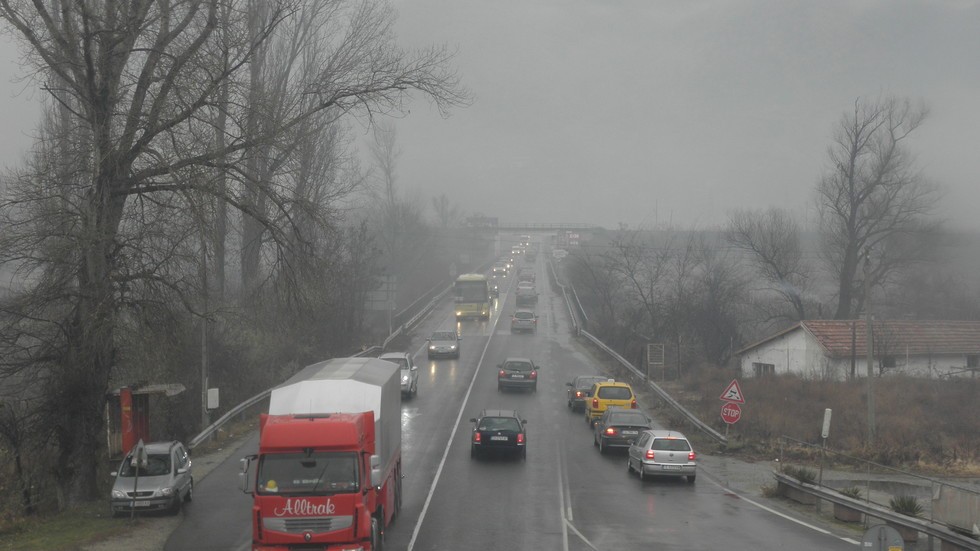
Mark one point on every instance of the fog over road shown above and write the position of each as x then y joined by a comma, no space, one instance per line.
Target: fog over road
565,496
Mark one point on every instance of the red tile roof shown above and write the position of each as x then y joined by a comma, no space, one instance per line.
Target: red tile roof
898,337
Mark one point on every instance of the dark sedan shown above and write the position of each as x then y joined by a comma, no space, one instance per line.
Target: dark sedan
618,428
517,373
498,430
580,389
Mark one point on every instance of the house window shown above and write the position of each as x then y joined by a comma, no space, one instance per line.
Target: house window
888,362
763,370
973,360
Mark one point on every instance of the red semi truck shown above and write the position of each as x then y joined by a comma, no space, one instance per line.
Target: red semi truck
328,472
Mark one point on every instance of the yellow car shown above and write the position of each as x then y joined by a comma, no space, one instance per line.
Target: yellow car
605,394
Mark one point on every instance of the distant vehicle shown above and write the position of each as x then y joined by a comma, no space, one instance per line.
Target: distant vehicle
160,478
580,389
526,274
662,453
526,294
499,269
618,428
517,373
443,344
472,295
524,321
498,430
605,394
526,240
409,375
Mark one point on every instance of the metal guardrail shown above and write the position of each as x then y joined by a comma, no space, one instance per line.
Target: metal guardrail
209,431
926,527
625,363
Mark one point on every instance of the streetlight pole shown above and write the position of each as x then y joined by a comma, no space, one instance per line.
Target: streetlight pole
869,349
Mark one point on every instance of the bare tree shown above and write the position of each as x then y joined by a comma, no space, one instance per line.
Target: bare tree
771,238
871,196
139,77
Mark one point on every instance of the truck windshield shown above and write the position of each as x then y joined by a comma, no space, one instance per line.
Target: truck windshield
307,473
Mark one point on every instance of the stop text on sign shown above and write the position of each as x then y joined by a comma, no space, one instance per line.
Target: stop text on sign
731,413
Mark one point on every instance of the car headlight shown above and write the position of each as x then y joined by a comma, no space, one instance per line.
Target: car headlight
167,492
404,378
452,347
432,347
119,494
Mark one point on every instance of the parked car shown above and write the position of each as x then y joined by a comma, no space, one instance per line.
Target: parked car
524,321
498,430
443,343
662,453
605,394
618,428
580,389
409,371
517,373
160,477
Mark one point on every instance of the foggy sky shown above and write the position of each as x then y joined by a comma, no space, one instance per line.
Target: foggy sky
653,112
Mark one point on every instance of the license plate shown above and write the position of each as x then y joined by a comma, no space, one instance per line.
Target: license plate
517,376
142,504
630,433
671,467
503,438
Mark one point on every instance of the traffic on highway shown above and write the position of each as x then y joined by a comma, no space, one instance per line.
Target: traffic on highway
500,463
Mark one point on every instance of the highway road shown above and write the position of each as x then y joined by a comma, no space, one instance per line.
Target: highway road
566,496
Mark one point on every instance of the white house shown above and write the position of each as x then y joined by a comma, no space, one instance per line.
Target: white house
827,349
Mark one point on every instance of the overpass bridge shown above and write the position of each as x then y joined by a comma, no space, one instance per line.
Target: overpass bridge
492,224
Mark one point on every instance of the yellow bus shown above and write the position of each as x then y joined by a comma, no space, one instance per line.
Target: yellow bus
472,295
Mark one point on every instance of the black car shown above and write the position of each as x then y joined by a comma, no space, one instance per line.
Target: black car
517,373
618,428
579,389
500,431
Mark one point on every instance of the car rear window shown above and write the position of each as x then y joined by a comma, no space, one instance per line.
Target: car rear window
499,423
524,315
518,366
671,445
628,419
615,393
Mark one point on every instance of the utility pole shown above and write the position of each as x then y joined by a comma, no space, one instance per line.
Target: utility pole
869,341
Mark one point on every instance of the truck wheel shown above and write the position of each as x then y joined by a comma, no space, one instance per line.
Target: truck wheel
376,543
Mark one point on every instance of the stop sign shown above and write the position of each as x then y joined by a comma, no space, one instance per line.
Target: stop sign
731,413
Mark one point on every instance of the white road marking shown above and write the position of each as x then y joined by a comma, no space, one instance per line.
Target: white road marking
561,501
452,436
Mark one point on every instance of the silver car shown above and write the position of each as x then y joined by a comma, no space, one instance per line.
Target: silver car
443,343
662,453
158,479
409,371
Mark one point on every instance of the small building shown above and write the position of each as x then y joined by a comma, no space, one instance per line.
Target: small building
836,349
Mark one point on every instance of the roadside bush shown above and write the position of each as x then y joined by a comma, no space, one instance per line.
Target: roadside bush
906,505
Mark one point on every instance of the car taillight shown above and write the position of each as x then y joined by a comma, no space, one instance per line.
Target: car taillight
649,454
534,374
520,438
633,404
611,431
476,437
595,403
502,373
691,456
578,393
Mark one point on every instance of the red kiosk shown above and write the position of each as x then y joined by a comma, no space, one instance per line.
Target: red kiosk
128,415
